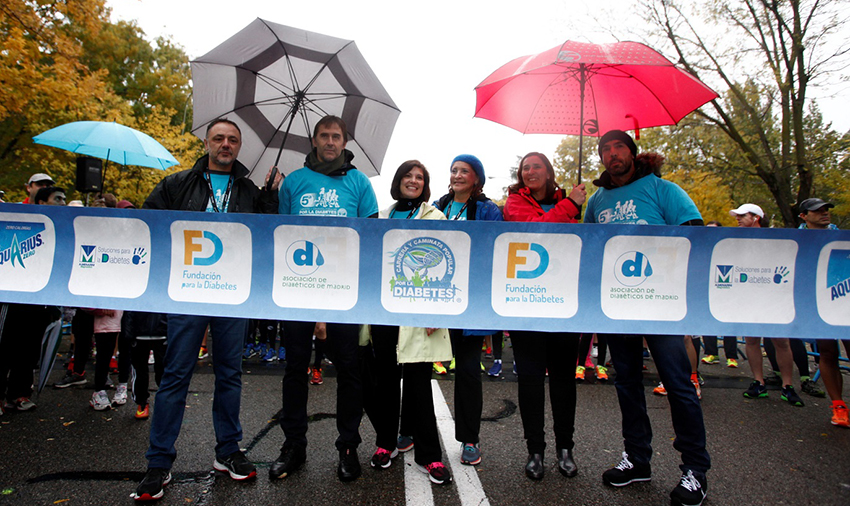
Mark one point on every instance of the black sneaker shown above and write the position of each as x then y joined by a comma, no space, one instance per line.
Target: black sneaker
789,395
690,491
349,465
70,379
288,462
236,465
756,390
626,473
150,489
811,388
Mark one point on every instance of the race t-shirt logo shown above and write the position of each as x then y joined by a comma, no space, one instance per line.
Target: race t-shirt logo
423,269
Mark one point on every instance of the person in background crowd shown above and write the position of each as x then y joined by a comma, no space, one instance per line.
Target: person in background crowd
35,183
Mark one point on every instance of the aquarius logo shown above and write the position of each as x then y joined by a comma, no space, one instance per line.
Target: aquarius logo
304,258
423,269
191,246
632,268
724,275
838,273
515,260
18,241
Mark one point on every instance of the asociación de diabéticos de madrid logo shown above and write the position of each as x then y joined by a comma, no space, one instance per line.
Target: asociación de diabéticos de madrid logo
423,269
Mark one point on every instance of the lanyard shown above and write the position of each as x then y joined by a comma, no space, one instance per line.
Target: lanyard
457,216
224,199
409,215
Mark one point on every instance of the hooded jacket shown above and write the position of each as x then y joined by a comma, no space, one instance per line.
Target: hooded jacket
188,190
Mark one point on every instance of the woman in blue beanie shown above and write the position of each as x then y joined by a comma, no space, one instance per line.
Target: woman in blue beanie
466,201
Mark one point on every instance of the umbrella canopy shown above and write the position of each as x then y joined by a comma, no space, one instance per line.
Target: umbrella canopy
276,82
588,89
109,141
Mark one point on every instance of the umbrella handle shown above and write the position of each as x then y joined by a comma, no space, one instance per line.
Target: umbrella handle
272,177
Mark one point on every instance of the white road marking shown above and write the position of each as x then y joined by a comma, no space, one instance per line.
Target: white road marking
417,486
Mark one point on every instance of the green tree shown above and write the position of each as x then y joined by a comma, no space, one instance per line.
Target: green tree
776,47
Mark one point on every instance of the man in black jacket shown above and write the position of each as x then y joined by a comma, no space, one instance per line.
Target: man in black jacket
216,183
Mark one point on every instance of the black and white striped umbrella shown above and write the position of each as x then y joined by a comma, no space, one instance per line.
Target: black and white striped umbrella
276,82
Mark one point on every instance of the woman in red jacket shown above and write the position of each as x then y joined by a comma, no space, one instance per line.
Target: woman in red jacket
536,197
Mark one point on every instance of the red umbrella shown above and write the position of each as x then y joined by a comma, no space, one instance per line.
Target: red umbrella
588,89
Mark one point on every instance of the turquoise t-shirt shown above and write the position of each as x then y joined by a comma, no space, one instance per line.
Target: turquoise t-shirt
458,211
305,192
219,185
404,215
648,201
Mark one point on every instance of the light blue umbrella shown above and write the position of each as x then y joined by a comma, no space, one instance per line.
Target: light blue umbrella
109,141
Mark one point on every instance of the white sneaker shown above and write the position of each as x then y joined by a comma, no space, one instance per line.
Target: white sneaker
120,397
100,401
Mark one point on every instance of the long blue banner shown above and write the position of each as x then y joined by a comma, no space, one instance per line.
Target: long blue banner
535,276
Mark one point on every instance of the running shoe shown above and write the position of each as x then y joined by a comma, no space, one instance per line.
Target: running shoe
151,358
695,383
626,473
151,487
439,368
250,351
269,356
579,373
811,388
601,373
710,359
791,397
437,473
70,379
316,376
594,352
731,363
236,465
452,364
471,454
496,370
113,365
690,491
203,353
839,416
100,401
382,458
488,353
143,412
756,391
281,354
660,390
21,404
120,397
404,443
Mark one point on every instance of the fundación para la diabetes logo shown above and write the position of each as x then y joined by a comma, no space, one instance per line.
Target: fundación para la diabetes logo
423,269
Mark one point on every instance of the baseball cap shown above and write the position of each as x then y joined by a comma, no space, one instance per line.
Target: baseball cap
747,208
38,178
813,205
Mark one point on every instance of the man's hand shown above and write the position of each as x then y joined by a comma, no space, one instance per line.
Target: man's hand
321,331
578,194
278,178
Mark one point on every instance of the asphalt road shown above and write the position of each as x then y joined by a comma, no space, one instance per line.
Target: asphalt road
763,451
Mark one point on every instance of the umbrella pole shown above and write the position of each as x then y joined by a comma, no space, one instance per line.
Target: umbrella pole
294,110
581,81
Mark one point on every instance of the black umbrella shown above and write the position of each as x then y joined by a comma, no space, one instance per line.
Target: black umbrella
276,82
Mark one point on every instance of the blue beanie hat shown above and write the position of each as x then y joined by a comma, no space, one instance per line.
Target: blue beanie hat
476,165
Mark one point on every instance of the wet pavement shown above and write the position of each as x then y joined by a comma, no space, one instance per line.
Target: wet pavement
763,451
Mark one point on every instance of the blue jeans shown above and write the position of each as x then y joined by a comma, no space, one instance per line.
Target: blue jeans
673,366
185,334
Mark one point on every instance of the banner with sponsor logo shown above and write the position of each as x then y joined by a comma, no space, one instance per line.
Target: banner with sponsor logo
535,276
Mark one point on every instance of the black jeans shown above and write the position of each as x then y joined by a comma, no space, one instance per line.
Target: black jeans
469,400
535,353
105,343
343,349
382,392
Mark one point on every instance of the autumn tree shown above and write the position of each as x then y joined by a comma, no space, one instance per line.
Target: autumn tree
779,48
